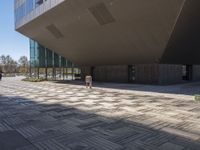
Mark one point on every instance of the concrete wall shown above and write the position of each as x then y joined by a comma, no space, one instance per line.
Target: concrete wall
85,71
170,74
162,74
158,74
196,73
111,73
107,73
147,73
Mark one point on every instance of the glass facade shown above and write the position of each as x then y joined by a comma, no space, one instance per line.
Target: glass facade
27,10
48,64
24,7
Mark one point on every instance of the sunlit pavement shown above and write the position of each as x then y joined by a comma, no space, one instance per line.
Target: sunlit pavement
55,116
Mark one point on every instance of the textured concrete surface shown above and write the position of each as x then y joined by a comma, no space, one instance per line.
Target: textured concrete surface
55,116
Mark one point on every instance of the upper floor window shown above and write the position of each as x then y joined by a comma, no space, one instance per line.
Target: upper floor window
39,2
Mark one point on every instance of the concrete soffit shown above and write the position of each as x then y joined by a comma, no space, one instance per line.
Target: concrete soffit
175,23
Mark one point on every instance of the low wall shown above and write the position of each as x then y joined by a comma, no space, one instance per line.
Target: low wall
196,73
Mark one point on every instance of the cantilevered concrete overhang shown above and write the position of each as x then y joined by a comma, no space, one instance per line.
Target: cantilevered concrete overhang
113,32
183,46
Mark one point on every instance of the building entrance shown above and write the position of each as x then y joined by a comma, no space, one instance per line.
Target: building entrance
187,72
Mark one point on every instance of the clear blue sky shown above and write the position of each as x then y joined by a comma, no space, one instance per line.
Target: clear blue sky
11,42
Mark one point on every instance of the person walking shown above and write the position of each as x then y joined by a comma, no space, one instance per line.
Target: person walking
88,81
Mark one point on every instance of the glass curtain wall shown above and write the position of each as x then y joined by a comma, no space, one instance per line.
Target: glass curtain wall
45,63
24,7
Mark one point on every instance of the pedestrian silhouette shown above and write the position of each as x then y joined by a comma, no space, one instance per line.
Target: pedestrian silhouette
88,81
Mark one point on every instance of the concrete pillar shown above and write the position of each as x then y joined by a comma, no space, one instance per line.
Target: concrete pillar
196,73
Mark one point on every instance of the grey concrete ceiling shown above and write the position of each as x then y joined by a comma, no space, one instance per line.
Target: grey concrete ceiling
112,32
184,44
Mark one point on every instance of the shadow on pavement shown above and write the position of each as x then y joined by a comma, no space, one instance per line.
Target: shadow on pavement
29,125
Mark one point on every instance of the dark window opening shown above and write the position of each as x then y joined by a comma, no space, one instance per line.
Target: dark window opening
187,72
131,73
38,2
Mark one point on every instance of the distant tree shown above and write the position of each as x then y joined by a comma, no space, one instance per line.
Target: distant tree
2,59
23,61
23,64
2,62
8,64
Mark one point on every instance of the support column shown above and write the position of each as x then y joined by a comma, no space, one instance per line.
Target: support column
38,72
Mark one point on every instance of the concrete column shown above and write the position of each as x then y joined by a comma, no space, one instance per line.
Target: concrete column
196,73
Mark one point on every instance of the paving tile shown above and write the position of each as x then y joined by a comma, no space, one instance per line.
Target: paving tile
29,147
29,132
139,145
170,146
4,127
101,144
55,116
50,145
181,133
11,140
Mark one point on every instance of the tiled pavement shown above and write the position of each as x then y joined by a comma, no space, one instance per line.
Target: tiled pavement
52,116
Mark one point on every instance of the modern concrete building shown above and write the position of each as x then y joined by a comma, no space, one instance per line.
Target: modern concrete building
139,41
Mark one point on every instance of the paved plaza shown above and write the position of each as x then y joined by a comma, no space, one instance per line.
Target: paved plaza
57,116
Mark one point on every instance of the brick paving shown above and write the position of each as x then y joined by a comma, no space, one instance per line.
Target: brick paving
53,116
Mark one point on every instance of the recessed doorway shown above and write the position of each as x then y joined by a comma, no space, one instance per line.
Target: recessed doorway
187,72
